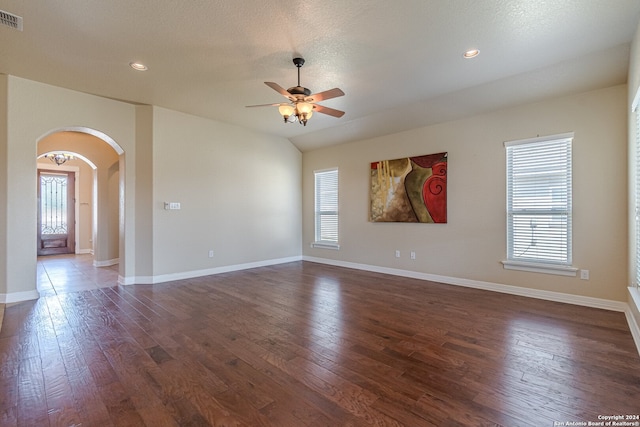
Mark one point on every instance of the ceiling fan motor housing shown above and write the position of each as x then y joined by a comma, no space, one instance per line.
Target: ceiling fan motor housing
299,90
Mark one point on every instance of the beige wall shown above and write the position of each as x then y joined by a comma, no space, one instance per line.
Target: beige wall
472,244
4,199
634,85
85,207
239,193
144,186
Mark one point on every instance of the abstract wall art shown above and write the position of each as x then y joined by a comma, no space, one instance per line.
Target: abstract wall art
411,189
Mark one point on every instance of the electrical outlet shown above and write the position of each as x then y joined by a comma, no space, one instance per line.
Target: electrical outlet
413,254
397,253
211,253
584,274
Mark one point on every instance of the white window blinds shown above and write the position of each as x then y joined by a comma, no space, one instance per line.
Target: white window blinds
637,186
539,200
326,206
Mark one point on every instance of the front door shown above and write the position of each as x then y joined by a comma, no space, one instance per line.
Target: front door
56,212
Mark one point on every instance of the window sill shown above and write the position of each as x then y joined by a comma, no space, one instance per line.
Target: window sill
559,270
326,245
635,294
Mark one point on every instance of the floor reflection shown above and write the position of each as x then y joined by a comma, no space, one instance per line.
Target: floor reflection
59,274
532,361
327,311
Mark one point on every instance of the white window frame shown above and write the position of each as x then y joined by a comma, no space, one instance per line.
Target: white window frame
326,205
540,261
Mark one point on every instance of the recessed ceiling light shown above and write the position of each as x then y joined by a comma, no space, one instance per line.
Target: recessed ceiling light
472,53
138,66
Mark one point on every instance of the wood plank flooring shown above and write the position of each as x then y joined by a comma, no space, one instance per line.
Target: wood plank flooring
304,344
72,273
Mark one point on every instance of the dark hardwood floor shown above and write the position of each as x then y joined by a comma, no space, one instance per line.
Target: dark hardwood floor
303,344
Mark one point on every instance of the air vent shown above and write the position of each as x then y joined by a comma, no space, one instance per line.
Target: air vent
11,20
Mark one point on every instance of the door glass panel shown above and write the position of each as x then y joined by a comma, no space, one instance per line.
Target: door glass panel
53,199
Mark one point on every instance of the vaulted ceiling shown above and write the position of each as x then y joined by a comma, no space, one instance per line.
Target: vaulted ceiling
399,62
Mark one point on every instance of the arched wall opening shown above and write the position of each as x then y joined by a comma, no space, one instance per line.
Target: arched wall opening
99,207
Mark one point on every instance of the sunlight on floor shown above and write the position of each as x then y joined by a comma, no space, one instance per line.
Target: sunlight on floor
72,273
60,274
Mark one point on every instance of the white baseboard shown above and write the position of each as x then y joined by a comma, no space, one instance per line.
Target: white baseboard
19,296
106,263
83,251
126,280
162,278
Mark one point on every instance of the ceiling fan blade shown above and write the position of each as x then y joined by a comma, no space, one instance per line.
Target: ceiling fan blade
262,105
327,94
282,91
326,110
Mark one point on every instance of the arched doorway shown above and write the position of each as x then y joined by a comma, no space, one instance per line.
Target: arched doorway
100,199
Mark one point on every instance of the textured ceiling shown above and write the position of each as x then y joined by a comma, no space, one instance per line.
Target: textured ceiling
400,63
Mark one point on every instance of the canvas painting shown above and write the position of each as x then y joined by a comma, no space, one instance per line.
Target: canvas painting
411,189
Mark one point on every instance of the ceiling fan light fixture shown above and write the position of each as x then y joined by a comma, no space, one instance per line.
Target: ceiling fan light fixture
286,110
304,117
304,107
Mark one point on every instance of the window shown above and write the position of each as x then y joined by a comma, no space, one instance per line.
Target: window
539,205
326,209
634,108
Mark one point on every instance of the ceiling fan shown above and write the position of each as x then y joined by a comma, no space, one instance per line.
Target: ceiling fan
302,103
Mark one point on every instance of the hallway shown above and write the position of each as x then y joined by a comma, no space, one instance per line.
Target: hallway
61,274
